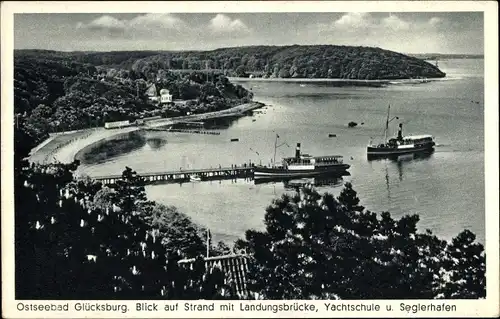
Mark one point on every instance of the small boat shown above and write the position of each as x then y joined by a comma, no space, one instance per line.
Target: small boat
303,165
332,135
235,139
400,144
195,178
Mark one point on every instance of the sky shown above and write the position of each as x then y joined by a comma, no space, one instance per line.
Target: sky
406,32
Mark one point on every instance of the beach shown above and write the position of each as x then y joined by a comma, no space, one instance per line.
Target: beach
62,147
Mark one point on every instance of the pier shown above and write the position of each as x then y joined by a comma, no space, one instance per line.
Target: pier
180,176
181,130
236,111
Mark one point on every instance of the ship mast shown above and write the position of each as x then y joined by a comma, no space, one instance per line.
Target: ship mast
387,123
275,147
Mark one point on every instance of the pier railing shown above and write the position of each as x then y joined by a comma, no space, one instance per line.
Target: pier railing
242,171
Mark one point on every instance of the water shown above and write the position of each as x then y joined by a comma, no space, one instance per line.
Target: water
445,189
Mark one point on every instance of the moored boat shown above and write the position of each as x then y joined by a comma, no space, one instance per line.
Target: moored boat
195,178
303,165
400,144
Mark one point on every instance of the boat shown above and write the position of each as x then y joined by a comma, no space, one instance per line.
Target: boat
302,165
195,178
400,144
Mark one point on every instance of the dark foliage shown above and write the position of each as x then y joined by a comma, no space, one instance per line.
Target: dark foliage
80,240
319,247
54,92
314,61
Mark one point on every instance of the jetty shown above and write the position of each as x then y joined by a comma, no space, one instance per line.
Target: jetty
181,130
180,176
237,111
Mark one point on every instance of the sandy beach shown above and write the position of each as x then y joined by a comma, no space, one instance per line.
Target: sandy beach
62,147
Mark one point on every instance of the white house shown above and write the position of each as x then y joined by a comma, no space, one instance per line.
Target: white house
165,96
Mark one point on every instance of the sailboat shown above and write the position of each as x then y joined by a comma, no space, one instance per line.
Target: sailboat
400,144
302,165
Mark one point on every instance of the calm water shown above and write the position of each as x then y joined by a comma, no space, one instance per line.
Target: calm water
445,189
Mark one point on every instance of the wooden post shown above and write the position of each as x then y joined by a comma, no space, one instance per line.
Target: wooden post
208,243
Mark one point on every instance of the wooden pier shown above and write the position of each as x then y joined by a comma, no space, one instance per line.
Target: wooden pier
180,176
179,130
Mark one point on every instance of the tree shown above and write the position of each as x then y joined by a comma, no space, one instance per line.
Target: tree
71,244
315,246
241,71
177,230
129,191
464,277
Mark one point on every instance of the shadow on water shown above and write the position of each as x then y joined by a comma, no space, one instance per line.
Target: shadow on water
111,147
221,123
156,142
297,183
399,161
288,183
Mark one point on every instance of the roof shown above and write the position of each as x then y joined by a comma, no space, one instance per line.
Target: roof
417,137
234,267
151,90
307,156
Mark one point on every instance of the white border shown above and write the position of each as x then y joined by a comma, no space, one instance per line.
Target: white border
485,308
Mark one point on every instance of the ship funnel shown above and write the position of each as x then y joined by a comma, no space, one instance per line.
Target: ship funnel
400,131
297,151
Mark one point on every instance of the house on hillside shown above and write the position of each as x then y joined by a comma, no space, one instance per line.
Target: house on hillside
152,93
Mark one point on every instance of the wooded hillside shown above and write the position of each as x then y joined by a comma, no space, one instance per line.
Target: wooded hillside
314,61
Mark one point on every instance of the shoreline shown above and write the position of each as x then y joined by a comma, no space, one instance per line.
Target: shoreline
335,81
63,147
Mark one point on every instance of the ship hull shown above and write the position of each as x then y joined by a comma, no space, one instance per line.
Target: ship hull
266,172
373,151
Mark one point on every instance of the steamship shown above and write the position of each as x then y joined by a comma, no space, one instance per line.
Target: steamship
401,144
303,165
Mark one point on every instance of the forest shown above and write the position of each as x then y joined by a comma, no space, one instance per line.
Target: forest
53,92
295,61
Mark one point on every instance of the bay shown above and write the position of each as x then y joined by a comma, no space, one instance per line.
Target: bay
446,189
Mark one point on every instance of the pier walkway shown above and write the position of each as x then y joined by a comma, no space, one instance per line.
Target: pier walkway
242,171
178,130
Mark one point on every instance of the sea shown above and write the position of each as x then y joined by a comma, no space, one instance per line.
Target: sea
446,189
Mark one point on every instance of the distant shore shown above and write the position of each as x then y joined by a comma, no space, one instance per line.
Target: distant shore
314,80
335,82
63,147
